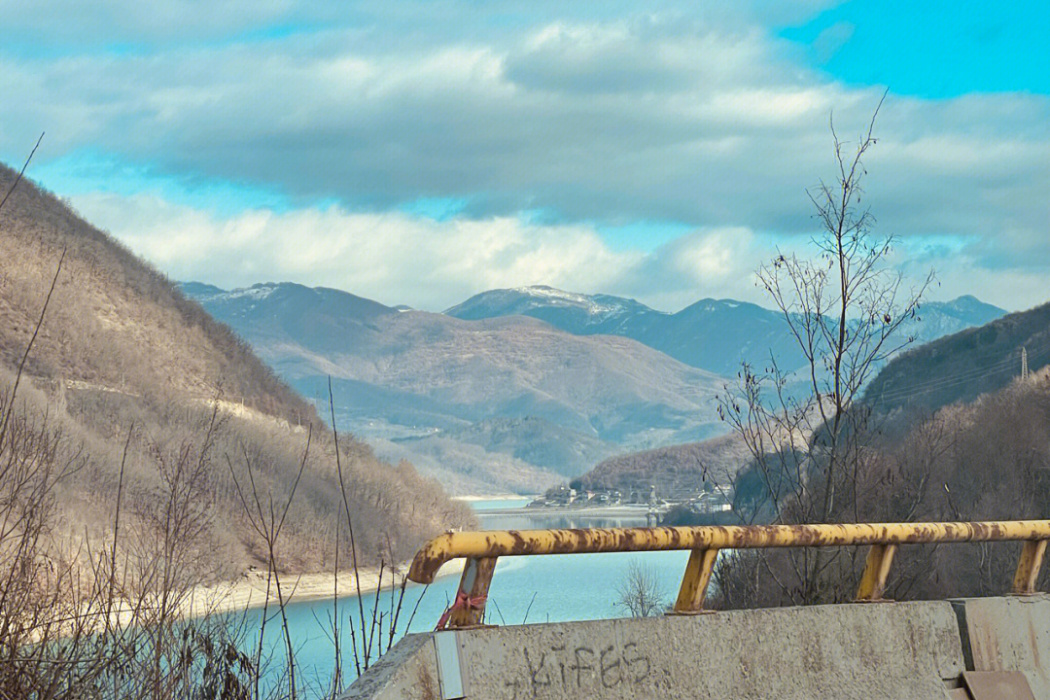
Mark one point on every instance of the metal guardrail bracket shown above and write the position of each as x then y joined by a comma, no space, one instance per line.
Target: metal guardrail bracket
876,571
695,582
468,610
1028,567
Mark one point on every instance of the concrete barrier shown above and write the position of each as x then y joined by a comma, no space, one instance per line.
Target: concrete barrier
409,670
893,651
1008,634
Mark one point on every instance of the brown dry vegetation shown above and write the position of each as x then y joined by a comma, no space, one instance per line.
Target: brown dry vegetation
983,462
122,351
115,322
144,451
986,460
98,613
671,469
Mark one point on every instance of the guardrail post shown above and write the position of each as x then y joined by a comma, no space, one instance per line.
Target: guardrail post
468,610
876,569
694,583
1028,567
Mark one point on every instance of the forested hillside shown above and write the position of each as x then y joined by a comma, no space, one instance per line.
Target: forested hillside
671,469
962,366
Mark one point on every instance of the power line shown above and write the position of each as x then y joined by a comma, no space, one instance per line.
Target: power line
957,379
944,382
948,382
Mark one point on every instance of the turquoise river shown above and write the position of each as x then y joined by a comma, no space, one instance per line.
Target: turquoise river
535,589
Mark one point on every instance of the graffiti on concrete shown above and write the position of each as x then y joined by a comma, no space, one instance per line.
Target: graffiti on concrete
564,670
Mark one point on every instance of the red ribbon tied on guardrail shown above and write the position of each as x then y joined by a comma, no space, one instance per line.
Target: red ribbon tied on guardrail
462,602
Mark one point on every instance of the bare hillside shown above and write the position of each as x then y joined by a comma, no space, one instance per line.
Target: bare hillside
114,322
122,352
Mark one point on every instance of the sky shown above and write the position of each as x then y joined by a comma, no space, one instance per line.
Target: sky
420,152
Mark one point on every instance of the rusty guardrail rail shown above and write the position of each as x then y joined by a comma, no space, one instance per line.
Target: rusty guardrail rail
482,549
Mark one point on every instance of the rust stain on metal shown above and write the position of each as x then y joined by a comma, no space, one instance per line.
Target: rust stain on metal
695,582
1028,567
529,542
876,570
469,609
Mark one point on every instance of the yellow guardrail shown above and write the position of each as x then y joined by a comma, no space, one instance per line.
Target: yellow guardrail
482,549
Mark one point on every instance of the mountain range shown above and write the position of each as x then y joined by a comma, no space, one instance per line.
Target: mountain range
713,334
965,373
517,389
501,403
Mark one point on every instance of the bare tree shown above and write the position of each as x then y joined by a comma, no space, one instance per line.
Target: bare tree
267,518
844,309
638,592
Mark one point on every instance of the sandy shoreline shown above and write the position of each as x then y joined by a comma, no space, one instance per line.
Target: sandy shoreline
249,591
576,512
503,497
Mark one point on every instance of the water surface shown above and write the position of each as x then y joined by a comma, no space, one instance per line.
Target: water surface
554,588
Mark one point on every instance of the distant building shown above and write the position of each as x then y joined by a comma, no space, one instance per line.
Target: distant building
560,496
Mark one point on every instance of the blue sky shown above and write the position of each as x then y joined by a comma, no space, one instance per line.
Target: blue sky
419,152
932,50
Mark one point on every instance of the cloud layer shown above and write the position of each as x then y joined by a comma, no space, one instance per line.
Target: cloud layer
547,124
399,258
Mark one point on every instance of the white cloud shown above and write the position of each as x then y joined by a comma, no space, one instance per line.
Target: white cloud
646,118
587,112
401,258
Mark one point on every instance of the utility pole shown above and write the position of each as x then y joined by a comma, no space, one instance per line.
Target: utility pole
1024,363
650,517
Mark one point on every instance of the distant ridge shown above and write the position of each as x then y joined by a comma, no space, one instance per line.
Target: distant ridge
497,404
464,393
580,314
712,334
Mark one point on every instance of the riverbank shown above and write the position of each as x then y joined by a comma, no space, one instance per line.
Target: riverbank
501,497
250,590
580,512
